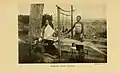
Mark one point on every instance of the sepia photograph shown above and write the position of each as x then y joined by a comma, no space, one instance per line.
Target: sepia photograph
62,33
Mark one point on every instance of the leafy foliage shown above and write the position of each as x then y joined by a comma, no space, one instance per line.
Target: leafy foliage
25,19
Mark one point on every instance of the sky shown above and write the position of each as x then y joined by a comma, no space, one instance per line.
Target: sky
87,11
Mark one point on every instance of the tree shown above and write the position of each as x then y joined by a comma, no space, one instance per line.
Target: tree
25,19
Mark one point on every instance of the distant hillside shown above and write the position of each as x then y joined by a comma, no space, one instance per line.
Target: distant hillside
95,29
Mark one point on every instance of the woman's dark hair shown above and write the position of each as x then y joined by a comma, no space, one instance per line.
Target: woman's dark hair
47,17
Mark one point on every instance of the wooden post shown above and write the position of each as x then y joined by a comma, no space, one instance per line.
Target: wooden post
71,21
59,31
66,21
35,21
62,20
80,52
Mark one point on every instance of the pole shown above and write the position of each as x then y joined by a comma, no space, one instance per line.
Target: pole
71,21
63,22
59,31
66,21
35,21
